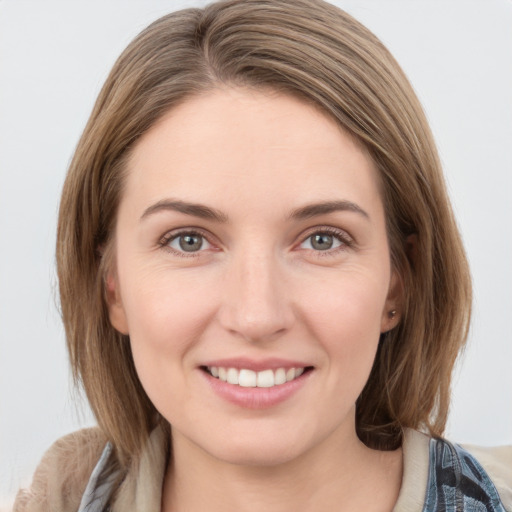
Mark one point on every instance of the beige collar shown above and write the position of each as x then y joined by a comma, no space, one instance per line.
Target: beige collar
415,472
142,488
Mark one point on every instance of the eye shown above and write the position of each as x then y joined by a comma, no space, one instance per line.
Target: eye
326,240
186,242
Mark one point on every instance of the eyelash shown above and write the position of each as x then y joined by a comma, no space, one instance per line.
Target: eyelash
346,240
341,236
173,235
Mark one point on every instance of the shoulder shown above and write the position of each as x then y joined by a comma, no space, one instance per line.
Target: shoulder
62,475
476,479
439,475
497,462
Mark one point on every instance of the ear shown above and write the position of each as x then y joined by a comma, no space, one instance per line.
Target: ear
116,311
393,308
391,312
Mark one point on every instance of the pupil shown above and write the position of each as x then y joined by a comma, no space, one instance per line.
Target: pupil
190,243
322,242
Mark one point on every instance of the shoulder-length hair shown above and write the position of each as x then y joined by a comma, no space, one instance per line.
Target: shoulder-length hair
319,53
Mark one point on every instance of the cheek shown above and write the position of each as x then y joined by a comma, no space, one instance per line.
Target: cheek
346,319
166,318
349,300
167,311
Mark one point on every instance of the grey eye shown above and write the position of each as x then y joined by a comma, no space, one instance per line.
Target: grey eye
321,242
188,242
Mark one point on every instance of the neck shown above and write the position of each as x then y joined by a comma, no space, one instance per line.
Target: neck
340,474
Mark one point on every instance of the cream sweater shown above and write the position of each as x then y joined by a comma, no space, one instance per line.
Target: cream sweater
62,476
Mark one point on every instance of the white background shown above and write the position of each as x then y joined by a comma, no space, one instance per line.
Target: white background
54,56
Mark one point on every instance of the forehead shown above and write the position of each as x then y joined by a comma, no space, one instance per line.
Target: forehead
231,142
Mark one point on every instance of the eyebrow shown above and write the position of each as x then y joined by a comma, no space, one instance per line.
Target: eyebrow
313,210
196,210
205,212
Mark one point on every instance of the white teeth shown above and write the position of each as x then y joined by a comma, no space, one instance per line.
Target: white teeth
280,376
251,379
232,376
265,379
247,379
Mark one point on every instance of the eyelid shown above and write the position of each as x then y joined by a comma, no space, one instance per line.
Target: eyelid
342,235
346,240
171,235
330,230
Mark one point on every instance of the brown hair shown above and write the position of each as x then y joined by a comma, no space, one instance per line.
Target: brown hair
318,52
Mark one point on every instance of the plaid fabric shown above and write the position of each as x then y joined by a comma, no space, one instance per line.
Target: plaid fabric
99,489
457,482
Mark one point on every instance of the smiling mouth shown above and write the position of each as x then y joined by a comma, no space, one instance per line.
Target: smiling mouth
251,379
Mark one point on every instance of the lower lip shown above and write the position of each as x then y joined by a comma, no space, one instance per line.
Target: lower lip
256,398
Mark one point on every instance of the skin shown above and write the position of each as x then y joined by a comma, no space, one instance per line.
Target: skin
257,288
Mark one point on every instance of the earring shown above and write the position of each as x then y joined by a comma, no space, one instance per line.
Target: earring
392,313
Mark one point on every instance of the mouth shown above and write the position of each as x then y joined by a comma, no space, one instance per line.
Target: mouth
246,378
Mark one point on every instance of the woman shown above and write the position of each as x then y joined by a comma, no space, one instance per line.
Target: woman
273,290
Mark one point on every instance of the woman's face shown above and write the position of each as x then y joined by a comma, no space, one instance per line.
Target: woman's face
251,246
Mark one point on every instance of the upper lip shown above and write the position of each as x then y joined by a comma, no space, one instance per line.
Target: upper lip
256,365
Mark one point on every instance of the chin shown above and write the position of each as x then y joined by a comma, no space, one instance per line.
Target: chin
256,455
257,447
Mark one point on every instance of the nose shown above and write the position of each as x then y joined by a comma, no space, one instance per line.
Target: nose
256,305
